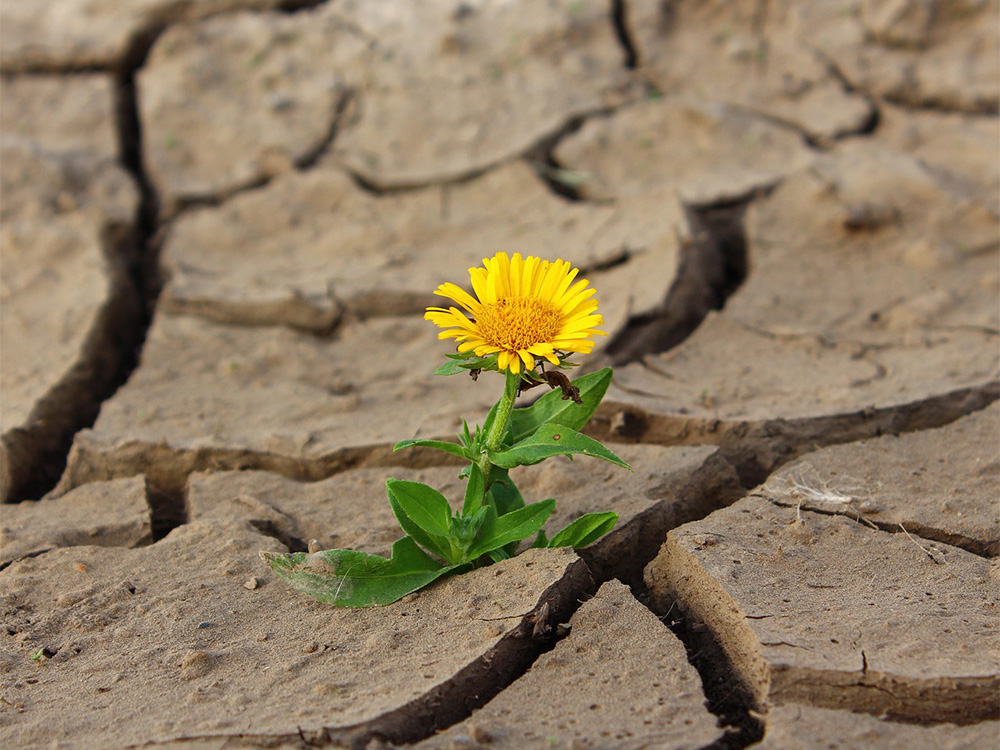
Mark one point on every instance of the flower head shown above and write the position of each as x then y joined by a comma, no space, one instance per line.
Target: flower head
522,309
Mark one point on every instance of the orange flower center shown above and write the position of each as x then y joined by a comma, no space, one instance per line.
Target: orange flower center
516,323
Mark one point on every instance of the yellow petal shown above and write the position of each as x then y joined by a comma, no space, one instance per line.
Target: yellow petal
563,285
551,274
516,274
571,294
479,285
501,269
462,297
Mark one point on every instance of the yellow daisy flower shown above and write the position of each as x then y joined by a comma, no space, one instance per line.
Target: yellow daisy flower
523,308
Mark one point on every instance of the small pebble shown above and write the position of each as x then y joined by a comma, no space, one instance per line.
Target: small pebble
310,648
251,583
205,624
81,567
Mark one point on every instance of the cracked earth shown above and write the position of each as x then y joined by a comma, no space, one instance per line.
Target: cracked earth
221,222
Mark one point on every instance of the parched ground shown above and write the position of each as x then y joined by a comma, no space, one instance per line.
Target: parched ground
220,223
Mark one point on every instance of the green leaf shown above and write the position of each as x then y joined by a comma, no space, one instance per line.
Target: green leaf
553,440
451,367
499,554
481,433
512,527
347,578
552,409
459,363
585,530
442,445
541,540
424,514
474,491
506,496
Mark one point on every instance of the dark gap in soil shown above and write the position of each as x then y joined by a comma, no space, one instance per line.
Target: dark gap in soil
25,556
478,683
372,188
620,258
759,456
146,271
344,101
917,532
133,251
869,126
269,528
725,694
305,162
294,6
167,509
980,108
679,499
712,266
619,18
562,181
131,256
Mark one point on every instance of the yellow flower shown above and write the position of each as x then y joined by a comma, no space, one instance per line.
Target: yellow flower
523,308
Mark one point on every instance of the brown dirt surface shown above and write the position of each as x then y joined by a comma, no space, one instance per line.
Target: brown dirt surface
803,728
822,609
104,514
220,224
136,633
622,692
938,484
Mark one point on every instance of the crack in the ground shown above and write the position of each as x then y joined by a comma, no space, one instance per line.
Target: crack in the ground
725,695
619,19
36,460
115,342
562,181
34,455
301,164
912,529
984,108
470,688
712,267
758,447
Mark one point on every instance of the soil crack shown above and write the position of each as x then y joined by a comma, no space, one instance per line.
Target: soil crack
619,18
712,267
912,529
112,349
725,694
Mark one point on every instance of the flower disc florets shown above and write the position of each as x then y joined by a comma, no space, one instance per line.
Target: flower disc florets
522,309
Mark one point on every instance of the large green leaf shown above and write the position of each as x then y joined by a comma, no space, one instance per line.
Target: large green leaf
474,491
506,496
442,445
424,514
553,409
354,579
553,440
585,530
512,527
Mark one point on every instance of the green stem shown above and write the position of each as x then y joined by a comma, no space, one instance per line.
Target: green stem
498,429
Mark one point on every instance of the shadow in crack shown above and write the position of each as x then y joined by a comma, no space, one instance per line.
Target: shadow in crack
713,265
726,696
